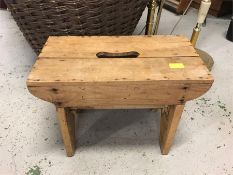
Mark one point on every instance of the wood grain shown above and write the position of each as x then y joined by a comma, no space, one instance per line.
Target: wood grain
67,127
120,94
169,122
71,71
88,47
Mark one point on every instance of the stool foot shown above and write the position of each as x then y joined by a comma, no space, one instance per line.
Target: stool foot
170,118
67,126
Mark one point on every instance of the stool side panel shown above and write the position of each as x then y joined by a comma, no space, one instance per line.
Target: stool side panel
114,95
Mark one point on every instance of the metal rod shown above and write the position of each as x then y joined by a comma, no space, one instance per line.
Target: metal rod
155,32
150,17
195,34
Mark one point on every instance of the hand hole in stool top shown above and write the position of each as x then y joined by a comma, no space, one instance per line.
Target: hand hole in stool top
131,54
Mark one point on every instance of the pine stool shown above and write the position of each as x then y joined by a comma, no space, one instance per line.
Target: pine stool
109,72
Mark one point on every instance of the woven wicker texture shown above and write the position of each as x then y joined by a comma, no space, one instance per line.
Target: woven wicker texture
39,19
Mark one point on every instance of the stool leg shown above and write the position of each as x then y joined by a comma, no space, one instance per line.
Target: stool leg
67,126
170,118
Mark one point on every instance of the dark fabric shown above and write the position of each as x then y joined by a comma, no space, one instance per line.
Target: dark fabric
2,4
39,19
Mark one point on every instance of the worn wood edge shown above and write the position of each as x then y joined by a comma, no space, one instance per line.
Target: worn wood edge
156,57
149,106
31,83
185,39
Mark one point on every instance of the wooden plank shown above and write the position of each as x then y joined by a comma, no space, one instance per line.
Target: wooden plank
169,122
67,127
71,71
88,47
175,2
177,6
120,94
182,6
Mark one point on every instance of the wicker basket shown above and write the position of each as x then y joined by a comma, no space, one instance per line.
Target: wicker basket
39,19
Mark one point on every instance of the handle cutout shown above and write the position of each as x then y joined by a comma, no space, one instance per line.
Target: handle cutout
132,54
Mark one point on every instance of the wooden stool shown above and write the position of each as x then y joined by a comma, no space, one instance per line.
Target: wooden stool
119,72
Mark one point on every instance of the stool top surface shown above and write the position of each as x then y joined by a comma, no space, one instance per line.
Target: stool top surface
72,59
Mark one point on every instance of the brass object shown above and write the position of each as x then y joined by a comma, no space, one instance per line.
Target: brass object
195,34
152,24
206,58
150,17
